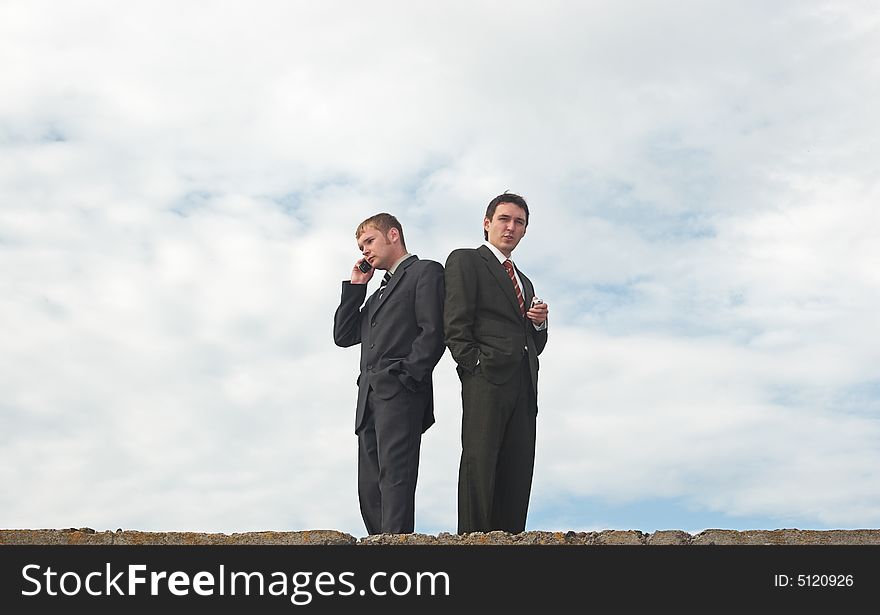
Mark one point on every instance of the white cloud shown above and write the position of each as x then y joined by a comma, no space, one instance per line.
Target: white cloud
180,183
641,417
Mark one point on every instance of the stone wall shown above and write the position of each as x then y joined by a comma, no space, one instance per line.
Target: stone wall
87,536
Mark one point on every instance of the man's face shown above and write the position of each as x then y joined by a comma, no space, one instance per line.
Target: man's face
377,248
506,227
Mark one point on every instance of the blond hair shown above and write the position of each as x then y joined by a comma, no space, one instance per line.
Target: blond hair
383,223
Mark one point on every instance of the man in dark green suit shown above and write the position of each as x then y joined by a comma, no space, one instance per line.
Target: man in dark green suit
495,329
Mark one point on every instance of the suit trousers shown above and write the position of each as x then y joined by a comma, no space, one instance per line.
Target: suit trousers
388,461
498,452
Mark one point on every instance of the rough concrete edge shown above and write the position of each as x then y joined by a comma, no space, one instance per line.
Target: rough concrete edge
481,539
88,536
710,537
790,536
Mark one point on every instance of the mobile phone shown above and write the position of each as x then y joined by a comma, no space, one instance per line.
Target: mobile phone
536,301
364,266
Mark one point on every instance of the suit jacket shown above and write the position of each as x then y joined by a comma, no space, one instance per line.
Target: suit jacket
401,334
482,318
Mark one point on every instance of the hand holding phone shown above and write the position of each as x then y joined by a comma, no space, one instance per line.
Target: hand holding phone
537,312
362,272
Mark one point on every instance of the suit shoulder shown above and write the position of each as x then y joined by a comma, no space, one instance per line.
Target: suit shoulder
426,262
461,254
427,265
464,252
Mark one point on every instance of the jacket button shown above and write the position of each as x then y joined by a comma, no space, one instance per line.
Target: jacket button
369,368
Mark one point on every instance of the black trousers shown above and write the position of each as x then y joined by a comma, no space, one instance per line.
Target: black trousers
498,452
388,461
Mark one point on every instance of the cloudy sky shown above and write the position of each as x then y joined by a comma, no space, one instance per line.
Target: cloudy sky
179,188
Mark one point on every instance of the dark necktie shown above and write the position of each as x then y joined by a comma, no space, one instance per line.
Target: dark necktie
384,283
522,304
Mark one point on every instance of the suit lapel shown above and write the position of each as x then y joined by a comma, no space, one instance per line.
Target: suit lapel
377,301
500,274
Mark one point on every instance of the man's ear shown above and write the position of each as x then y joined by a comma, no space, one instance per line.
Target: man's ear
393,234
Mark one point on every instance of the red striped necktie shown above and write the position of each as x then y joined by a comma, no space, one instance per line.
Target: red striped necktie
519,297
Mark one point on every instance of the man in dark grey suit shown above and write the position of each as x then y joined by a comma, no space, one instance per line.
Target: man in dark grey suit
400,330
495,332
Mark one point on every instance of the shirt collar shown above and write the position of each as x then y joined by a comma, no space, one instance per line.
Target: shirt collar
394,267
498,254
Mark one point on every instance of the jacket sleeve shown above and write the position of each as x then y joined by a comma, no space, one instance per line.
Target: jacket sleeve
459,309
427,347
540,338
539,335
347,320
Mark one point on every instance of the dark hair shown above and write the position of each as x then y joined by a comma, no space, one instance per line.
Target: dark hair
507,197
383,223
